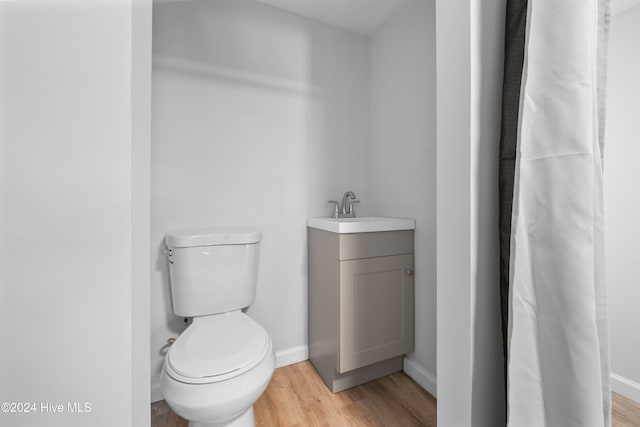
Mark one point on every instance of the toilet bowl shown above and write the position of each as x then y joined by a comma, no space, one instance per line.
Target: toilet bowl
221,364
217,369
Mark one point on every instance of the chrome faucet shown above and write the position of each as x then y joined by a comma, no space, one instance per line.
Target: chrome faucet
347,204
345,210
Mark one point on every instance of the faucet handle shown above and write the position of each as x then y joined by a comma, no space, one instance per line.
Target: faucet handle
336,210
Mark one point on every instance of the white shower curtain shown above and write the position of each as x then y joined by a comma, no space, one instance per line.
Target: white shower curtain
552,258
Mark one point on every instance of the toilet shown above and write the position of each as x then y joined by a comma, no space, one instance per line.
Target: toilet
221,364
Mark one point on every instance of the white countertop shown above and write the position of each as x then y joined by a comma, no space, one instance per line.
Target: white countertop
365,224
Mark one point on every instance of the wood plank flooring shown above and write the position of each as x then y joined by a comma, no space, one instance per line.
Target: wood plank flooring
297,397
625,412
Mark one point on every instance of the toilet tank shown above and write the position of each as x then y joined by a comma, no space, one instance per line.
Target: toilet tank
213,270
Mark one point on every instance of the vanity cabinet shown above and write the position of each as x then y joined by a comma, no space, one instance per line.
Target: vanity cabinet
361,304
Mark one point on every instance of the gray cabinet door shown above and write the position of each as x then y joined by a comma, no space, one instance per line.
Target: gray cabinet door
376,310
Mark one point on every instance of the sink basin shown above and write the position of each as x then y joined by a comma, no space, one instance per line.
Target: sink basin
365,224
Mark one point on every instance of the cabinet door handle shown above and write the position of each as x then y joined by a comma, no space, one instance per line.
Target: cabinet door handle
409,272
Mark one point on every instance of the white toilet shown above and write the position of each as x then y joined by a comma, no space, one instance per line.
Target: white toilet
221,364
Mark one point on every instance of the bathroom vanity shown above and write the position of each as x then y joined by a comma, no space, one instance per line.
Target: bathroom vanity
361,297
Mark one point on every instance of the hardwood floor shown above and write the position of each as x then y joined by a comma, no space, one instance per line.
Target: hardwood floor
163,416
297,397
625,412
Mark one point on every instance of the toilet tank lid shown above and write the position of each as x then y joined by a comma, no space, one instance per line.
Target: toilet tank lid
212,236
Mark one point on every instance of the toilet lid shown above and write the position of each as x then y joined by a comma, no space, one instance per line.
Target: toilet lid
218,345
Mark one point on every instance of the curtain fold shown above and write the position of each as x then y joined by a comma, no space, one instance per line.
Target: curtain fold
551,214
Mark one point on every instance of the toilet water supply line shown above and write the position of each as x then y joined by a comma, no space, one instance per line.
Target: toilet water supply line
170,341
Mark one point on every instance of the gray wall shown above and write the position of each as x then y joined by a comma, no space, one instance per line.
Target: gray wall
402,155
470,36
73,213
260,116
622,200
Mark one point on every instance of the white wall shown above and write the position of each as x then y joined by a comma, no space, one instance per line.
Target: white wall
70,259
453,203
469,86
487,63
622,201
402,155
140,208
259,117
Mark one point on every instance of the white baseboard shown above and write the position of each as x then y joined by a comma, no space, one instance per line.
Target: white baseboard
291,355
625,387
424,378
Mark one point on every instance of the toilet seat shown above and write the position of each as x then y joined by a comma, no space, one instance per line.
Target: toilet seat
217,348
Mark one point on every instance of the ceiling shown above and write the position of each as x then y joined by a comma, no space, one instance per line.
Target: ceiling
618,6
365,16
360,16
